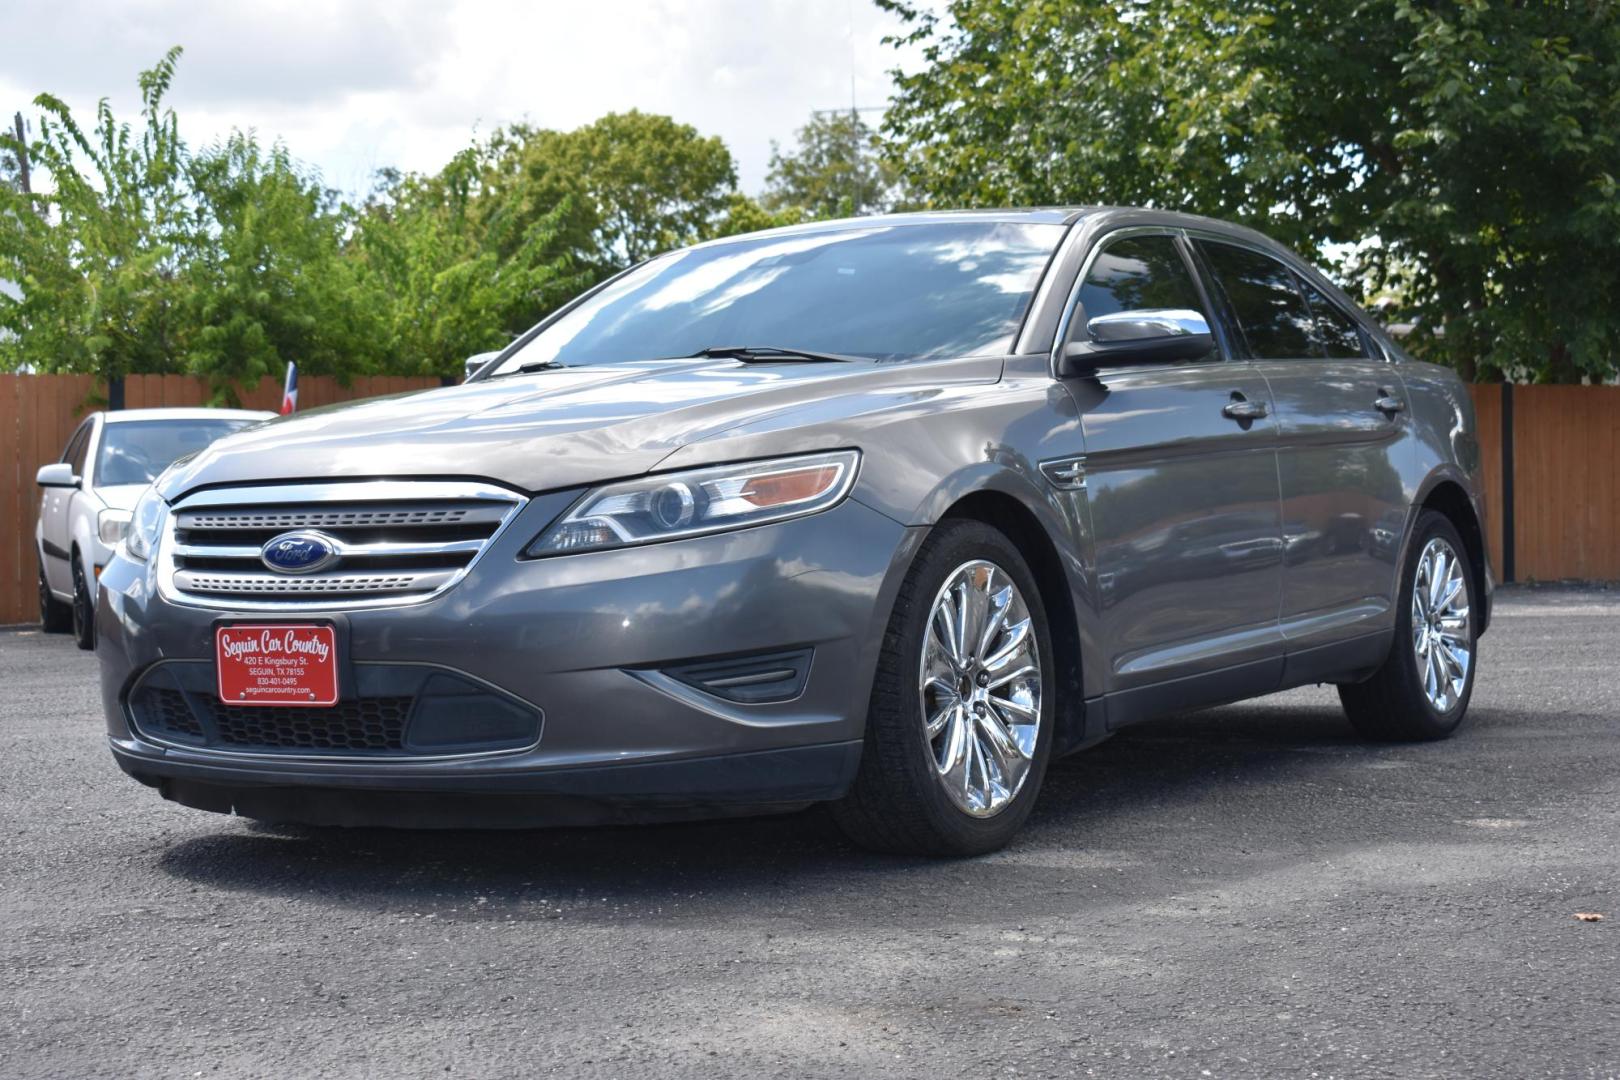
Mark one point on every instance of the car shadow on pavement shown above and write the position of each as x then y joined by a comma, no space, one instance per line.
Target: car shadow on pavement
1218,788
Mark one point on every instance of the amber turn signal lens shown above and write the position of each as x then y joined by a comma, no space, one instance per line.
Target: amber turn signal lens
780,489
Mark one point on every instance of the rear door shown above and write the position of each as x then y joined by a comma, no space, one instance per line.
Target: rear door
1182,494
1342,425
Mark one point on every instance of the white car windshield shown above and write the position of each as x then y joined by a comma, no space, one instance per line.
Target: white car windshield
135,451
885,292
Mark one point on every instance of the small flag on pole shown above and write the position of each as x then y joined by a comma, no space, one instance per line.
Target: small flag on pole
289,390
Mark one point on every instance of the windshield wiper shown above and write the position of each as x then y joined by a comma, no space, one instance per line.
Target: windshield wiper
770,354
531,367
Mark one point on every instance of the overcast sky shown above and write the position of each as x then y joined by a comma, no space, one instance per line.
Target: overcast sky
353,85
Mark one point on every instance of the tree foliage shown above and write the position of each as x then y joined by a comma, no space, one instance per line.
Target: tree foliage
1467,153
652,183
835,170
455,272
98,260
143,256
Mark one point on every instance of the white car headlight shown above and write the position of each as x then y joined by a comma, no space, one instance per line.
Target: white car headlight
146,522
111,526
670,506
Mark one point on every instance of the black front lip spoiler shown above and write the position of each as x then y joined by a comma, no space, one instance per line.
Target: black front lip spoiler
728,785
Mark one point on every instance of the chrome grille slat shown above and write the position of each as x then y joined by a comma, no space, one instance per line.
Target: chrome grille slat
398,542
283,519
281,584
453,547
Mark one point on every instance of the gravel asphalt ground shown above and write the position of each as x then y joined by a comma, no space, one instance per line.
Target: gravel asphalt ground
1246,891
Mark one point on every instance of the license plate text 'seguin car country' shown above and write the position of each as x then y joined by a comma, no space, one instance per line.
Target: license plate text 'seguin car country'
277,664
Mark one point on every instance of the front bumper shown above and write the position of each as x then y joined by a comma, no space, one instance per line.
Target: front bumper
581,639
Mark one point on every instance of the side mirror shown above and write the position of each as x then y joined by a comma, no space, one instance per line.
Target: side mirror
1147,336
59,475
473,363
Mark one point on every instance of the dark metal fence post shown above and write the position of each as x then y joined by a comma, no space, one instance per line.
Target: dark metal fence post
1508,569
115,393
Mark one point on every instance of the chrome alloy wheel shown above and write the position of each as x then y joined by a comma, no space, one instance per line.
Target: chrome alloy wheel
1441,637
980,682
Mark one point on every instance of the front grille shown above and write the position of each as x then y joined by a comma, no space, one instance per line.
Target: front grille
396,542
168,712
366,724
398,711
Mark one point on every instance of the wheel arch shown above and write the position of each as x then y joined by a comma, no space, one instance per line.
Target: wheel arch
1005,512
1448,496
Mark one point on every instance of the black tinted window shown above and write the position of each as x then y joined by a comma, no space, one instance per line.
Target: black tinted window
74,454
1336,332
891,292
1265,300
135,452
1135,273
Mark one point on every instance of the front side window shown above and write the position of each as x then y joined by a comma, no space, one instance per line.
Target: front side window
1137,273
74,454
1264,297
1334,330
887,291
134,452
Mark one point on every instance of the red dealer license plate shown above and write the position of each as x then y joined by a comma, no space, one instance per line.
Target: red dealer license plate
278,664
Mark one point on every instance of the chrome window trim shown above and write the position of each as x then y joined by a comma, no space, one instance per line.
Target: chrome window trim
337,492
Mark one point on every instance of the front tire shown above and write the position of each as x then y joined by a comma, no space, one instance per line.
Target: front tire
960,724
1422,689
84,614
55,617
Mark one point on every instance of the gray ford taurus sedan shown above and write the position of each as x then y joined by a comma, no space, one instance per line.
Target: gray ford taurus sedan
883,513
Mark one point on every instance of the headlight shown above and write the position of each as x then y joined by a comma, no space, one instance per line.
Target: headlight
141,537
111,526
674,505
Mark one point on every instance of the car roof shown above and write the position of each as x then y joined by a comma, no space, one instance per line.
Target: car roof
127,416
1030,215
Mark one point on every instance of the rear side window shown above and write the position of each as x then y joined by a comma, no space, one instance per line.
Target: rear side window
1264,297
1334,330
1136,273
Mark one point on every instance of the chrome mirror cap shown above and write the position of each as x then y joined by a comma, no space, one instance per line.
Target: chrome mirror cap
1143,336
1146,324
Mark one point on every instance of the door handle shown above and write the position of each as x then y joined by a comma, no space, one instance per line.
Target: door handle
1388,403
1243,410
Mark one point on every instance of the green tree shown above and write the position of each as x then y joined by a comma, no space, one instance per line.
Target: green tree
835,170
744,215
651,184
267,281
455,270
1469,150
98,259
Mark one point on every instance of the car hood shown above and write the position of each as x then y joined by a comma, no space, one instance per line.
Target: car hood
552,429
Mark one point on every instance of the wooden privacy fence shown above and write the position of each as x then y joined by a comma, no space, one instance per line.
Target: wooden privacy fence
39,412
1551,458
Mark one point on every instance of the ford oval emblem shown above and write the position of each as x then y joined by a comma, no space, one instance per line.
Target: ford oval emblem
301,552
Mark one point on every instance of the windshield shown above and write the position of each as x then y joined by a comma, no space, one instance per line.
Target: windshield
888,292
134,452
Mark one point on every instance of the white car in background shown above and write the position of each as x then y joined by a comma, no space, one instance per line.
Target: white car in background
87,496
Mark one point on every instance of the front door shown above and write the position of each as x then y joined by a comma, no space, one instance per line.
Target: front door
55,517
1342,426
1181,488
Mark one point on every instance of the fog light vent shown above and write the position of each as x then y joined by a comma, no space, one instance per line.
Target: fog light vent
750,680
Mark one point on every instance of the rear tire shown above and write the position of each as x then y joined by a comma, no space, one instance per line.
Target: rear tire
988,693
84,614
55,617
1419,693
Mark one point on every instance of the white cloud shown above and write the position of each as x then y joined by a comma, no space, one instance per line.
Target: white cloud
354,85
